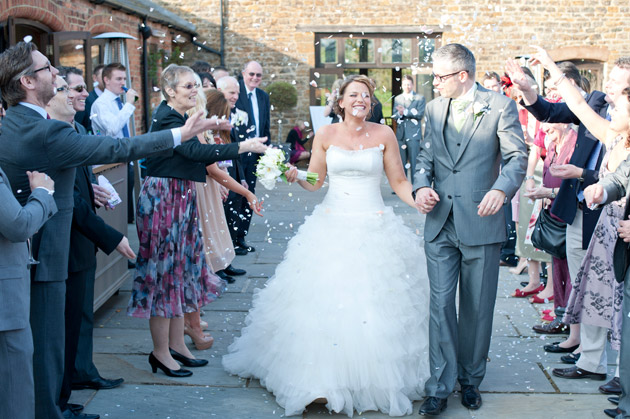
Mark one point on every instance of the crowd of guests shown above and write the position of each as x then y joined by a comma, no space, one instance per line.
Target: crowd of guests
578,143
198,196
192,215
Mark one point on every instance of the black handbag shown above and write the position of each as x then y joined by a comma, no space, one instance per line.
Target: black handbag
550,235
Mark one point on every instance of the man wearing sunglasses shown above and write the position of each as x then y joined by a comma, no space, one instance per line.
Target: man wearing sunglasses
255,102
83,116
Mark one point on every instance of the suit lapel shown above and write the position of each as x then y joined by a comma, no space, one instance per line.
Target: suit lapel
481,103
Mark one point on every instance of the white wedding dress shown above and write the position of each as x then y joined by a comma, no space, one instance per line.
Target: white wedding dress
345,316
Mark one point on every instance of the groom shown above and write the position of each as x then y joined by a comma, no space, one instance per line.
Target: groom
469,132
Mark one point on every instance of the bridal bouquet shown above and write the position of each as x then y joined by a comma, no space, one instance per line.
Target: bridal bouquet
272,166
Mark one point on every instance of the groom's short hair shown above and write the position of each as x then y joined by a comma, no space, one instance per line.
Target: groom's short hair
461,58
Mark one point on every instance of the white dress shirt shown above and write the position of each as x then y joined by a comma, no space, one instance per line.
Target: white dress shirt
254,102
106,118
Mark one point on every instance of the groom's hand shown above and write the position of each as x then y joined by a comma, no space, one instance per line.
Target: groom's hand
426,199
491,203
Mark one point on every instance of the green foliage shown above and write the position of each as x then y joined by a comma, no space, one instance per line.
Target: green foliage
282,95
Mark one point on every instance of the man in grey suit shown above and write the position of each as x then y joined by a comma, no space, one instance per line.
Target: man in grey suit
613,187
408,113
469,132
30,140
17,224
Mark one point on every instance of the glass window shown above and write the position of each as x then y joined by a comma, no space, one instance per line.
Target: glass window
72,54
359,50
426,47
328,50
383,91
324,87
396,50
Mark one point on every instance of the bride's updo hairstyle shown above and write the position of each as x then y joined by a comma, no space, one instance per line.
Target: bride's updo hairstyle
359,78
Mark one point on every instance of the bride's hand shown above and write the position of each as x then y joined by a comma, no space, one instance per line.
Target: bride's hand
291,174
255,204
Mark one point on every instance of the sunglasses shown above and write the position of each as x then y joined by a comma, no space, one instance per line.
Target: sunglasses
190,86
259,75
80,88
62,89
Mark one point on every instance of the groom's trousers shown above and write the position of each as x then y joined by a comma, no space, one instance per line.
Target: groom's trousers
459,347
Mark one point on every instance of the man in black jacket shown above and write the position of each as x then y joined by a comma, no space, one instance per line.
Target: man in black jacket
255,102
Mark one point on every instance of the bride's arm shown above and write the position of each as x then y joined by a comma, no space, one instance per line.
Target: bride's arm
317,163
394,168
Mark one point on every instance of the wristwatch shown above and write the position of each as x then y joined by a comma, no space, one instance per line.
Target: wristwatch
553,194
529,177
581,178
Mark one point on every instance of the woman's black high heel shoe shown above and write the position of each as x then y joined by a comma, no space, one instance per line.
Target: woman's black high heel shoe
188,362
155,364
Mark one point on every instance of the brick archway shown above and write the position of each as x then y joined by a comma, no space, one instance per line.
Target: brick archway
37,14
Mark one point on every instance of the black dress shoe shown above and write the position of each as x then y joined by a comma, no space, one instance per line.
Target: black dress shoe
570,359
76,408
432,406
471,398
246,246
225,277
557,349
556,327
614,399
69,414
131,265
240,251
611,387
612,412
188,362
576,373
155,364
98,383
231,270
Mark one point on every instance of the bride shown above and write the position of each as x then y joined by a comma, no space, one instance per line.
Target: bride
344,320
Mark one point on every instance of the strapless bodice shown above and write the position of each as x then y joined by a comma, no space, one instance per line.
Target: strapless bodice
354,179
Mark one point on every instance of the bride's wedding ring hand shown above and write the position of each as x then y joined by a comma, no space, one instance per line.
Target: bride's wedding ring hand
255,205
491,203
291,174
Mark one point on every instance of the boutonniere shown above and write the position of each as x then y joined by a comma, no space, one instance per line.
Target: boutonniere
480,109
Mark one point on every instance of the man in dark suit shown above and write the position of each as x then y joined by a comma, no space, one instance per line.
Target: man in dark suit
83,115
29,140
88,232
17,225
255,102
408,113
582,171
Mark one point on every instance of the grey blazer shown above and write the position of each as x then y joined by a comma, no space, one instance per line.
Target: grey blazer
30,142
17,224
496,136
410,124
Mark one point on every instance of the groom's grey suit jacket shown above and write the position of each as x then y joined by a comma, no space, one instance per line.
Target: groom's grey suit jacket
462,180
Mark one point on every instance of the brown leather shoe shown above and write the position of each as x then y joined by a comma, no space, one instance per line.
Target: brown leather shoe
556,327
577,373
611,387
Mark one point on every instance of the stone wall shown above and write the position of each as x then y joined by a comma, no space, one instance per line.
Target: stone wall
265,30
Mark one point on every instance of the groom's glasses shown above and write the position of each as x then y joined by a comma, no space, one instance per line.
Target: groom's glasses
441,79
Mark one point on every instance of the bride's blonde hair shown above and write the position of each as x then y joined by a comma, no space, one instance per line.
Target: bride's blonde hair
359,78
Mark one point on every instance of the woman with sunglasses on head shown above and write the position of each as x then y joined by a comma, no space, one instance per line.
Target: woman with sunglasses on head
172,276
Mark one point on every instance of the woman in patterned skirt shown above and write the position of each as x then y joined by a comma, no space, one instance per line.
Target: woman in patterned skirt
171,276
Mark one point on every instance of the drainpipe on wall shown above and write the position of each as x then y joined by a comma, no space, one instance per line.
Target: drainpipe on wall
146,33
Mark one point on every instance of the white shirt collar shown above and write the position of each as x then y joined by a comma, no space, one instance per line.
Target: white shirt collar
36,108
250,91
109,95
